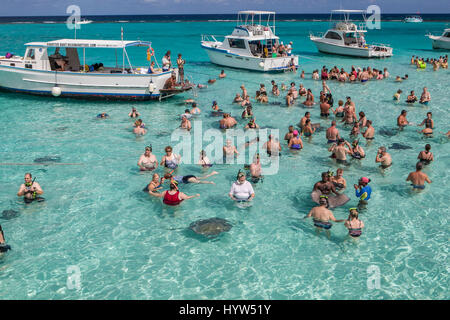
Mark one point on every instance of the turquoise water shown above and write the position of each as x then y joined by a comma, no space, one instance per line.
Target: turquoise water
128,246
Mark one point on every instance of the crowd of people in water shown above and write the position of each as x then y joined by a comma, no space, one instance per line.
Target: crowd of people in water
328,193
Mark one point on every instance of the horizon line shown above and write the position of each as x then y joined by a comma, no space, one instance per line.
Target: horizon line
197,14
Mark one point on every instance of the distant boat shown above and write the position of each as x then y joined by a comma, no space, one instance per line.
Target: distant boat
413,19
347,39
85,21
441,42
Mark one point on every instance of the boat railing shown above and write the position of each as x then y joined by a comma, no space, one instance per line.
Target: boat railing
381,45
362,27
210,37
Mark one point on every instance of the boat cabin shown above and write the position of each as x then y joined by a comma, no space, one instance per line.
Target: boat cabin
251,36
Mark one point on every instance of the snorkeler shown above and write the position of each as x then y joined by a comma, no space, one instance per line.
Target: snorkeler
241,190
133,113
30,190
353,224
190,178
363,191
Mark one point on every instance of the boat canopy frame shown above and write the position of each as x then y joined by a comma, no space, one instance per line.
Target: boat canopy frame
243,18
99,44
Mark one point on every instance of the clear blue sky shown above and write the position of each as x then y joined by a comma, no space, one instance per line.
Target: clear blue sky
118,7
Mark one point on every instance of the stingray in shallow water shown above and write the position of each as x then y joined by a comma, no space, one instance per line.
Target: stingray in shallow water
9,214
399,146
387,132
48,159
210,228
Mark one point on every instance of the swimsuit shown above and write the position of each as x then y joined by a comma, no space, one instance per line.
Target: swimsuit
418,186
355,232
370,138
323,225
307,134
324,114
172,199
171,164
331,141
357,155
296,146
339,114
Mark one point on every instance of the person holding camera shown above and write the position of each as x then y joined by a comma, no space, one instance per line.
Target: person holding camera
30,190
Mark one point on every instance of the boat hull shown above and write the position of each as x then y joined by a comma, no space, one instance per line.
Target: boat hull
224,58
440,44
83,85
349,51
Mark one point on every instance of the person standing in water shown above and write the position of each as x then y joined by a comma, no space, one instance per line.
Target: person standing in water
418,178
363,191
426,156
322,216
296,142
241,190
180,63
173,196
332,133
384,158
353,224
170,160
30,190
147,161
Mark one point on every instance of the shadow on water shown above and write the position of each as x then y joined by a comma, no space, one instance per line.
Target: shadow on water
307,227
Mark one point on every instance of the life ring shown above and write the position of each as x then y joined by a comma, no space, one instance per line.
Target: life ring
150,53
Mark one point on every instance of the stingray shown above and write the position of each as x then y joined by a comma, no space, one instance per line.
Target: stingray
333,200
387,132
9,214
48,159
59,129
210,228
399,146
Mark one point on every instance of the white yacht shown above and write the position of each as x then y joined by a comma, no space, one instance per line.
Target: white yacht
60,73
251,45
413,19
347,38
441,42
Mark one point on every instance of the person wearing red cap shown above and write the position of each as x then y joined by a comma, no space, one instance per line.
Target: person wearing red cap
363,191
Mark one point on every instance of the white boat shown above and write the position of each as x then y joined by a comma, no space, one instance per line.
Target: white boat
413,19
441,42
84,21
346,38
250,45
44,73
